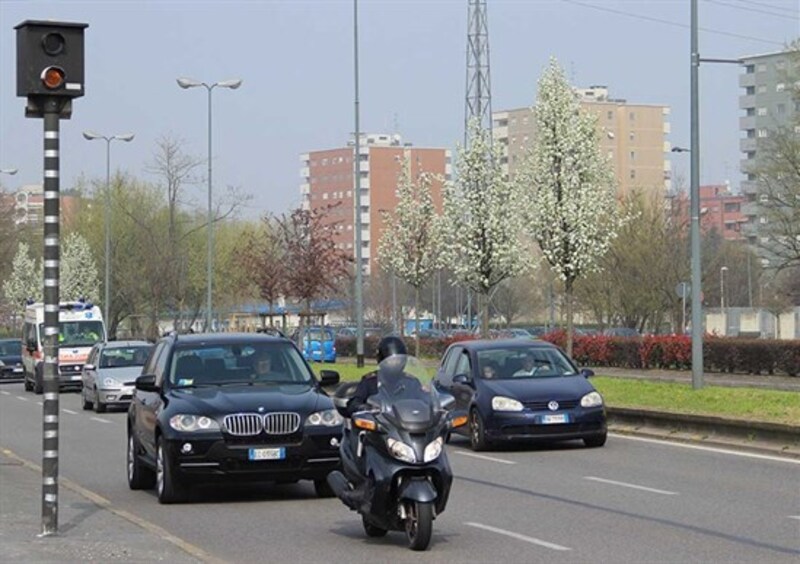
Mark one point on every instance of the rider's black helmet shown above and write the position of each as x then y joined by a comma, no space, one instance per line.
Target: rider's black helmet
389,346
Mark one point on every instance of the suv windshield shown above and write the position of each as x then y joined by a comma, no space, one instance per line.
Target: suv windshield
523,362
10,348
238,363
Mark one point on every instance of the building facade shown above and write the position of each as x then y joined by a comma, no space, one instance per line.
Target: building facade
634,136
327,180
767,104
720,209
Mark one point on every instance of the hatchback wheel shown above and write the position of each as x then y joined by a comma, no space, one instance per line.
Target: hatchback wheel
477,432
167,486
87,405
139,476
99,406
596,441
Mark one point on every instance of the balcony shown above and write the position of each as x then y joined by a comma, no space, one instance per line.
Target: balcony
746,80
305,172
747,144
747,122
747,101
363,166
305,189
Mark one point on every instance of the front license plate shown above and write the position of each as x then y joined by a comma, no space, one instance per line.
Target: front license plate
556,418
17,370
266,453
75,377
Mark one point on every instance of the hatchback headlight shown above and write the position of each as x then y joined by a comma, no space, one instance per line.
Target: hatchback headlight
111,383
433,450
327,418
401,451
592,399
501,403
192,423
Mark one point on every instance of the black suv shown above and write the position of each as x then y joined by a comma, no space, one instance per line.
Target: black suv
230,406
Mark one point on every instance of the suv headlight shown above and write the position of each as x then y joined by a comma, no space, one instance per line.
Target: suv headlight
401,451
192,423
501,403
111,383
327,418
433,450
592,399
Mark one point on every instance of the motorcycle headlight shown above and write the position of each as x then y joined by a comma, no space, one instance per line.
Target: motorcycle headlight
433,450
111,383
501,403
327,418
193,423
592,399
401,451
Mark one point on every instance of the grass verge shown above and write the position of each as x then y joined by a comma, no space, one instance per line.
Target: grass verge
750,404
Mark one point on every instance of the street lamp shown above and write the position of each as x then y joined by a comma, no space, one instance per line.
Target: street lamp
233,84
722,272
91,136
680,150
8,171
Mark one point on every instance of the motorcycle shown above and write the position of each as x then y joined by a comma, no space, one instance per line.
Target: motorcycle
393,453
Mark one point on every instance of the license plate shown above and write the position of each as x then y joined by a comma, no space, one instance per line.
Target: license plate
17,370
75,377
556,418
266,453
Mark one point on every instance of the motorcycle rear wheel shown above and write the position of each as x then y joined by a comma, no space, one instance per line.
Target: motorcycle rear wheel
419,525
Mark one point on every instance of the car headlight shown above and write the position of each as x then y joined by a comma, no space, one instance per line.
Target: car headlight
192,423
433,450
592,399
327,418
501,403
401,451
111,383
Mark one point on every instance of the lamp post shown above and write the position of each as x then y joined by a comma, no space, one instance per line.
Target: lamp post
91,136
233,84
8,171
722,272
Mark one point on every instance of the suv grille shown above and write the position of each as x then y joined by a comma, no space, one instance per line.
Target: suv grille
250,424
243,424
281,423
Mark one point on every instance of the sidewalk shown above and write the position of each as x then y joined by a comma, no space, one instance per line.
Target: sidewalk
88,531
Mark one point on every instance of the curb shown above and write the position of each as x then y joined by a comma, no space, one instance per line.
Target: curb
754,435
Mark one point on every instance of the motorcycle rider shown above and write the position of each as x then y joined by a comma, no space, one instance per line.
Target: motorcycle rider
390,346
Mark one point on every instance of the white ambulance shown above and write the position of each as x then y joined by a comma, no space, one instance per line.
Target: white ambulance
80,327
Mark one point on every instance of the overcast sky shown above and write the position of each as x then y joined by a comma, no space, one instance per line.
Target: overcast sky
296,61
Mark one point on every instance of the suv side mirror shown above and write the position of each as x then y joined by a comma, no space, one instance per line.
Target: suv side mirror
587,372
461,379
328,378
146,383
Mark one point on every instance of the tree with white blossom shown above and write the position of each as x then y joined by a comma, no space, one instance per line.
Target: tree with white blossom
572,211
410,245
79,277
483,223
25,281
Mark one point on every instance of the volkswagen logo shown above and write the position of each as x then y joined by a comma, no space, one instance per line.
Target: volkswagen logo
552,406
261,409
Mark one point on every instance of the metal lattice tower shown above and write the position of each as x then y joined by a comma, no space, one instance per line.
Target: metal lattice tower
479,85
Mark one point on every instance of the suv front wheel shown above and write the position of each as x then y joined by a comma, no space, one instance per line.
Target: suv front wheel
139,476
167,486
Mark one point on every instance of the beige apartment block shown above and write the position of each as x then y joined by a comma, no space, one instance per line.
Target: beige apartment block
633,136
327,180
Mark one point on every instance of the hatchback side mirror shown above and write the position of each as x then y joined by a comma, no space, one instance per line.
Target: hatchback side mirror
146,383
587,372
88,366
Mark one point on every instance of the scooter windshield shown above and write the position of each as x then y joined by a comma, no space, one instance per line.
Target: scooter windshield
401,394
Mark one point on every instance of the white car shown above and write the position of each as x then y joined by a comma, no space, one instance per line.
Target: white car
110,371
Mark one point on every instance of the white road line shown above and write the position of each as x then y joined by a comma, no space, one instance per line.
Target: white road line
482,457
100,420
794,517
709,449
70,411
518,536
39,403
627,485
5,393
21,398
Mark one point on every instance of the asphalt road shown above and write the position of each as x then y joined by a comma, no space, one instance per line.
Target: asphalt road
632,500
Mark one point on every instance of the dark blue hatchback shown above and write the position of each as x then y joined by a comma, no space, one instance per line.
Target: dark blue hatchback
518,390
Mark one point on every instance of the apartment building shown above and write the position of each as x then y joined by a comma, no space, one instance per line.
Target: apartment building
634,136
766,104
720,209
327,179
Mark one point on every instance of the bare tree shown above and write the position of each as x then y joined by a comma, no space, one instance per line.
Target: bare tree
263,253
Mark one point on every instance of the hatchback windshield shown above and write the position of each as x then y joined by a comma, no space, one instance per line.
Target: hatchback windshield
238,363
124,356
523,362
10,348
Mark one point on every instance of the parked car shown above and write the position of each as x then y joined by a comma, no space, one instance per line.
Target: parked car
352,332
319,344
517,333
109,373
11,359
230,406
519,390
431,334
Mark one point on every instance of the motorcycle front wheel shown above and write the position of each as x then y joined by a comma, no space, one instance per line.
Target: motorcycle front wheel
419,524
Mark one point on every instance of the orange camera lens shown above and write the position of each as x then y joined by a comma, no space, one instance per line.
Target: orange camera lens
53,77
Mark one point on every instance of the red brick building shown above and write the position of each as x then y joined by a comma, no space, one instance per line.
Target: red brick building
719,209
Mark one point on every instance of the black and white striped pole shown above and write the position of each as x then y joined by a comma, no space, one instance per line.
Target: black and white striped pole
50,75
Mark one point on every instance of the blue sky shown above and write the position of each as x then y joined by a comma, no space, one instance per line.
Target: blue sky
295,58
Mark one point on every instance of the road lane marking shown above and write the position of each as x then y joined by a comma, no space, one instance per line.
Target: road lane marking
627,485
5,393
104,503
794,517
709,449
70,411
518,536
482,457
100,420
39,403
22,398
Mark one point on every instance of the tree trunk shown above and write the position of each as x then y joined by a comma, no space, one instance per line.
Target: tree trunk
416,321
568,292
483,304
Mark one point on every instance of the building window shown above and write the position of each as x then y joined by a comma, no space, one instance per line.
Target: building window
633,174
763,198
731,207
750,90
751,133
762,133
781,109
610,115
762,111
750,69
750,112
762,89
633,155
632,116
762,67
324,195
631,136
780,65
780,87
